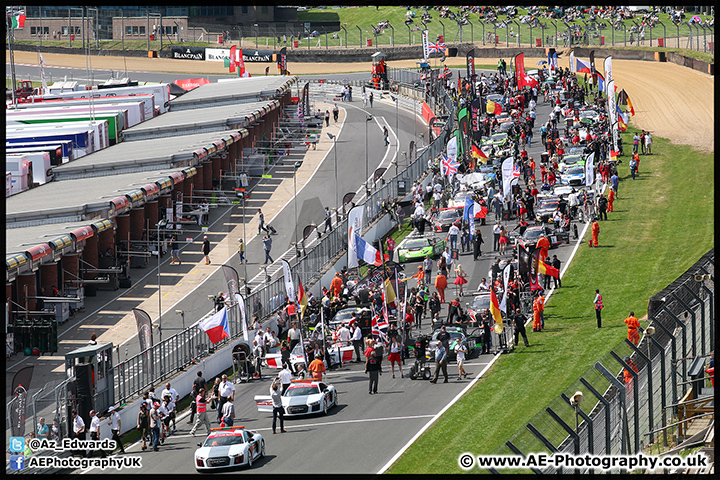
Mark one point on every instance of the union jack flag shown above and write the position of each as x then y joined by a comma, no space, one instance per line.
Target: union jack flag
448,166
379,327
516,171
436,47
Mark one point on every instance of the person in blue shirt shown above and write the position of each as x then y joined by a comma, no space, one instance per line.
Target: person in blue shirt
440,362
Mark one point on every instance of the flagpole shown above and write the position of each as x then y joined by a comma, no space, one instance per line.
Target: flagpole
402,331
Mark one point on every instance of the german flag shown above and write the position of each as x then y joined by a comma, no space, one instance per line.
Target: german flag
478,153
495,307
546,269
302,299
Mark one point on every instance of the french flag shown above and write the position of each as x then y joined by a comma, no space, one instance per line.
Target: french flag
367,252
216,326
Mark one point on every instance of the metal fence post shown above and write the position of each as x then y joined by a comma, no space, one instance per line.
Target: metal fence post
692,312
570,431
663,394
672,358
636,399
545,441
621,387
702,317
517,451
648,366
588,422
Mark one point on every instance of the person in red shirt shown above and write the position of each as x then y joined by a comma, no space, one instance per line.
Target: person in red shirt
390,247
543,173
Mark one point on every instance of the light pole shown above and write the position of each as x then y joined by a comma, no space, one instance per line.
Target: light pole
160,225
334,139
295,167
182,314
367,173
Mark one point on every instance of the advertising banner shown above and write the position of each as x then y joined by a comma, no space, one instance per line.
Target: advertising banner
188,53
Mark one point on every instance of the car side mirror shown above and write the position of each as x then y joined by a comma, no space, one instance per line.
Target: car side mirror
199,444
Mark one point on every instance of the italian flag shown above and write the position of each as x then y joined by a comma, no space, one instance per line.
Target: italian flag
18,21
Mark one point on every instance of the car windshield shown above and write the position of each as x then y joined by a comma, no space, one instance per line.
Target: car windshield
302,391
498,136
344,315
224,440
549,204
480,303
587,113
532,232
576,170
454,335
569,160
448,214
416,244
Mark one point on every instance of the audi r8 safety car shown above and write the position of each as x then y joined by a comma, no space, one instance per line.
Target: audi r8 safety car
229,447
303,397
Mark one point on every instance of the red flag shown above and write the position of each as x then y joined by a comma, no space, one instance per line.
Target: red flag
302,299
534,259
233,64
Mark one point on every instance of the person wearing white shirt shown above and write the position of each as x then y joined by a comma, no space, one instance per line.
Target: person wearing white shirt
357,341
226,392
453,236
164,413
448,257
483,287
95,431
268,340
343,335
115,424
285,377
293,336
259,338
169,391
419,210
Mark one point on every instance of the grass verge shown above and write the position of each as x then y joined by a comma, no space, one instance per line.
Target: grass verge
662,223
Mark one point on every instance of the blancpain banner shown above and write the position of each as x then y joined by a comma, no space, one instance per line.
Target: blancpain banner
220,54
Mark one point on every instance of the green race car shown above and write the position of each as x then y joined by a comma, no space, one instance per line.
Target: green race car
416,248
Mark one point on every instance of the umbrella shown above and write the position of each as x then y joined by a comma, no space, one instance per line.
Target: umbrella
541,62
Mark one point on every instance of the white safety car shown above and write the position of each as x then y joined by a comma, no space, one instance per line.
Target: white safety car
229,447
303,397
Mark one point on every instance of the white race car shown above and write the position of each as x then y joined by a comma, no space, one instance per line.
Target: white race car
303,397
229,447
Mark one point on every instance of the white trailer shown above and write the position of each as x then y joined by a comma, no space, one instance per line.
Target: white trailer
160,91
147,101
20,169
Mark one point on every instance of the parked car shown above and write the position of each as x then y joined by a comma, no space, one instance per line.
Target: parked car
556,236
229,447
417,248
457,335
303,397
573,176
447,217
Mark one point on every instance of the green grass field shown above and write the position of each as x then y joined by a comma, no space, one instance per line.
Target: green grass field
662,223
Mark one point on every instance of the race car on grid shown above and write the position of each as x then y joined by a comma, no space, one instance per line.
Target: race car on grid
303,397
229,447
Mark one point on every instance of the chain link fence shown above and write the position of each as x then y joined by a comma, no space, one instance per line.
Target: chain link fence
627,407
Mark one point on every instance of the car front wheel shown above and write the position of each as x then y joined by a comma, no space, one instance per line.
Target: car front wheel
250,459
262,449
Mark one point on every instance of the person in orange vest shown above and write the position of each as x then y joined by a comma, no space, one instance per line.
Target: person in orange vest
632,326
336,285
598,307
537,322
636,157
626,373
541,304
595,229
611,199
532,168
544,245
440,286
317,368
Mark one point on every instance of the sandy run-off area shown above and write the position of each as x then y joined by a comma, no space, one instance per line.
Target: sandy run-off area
670,101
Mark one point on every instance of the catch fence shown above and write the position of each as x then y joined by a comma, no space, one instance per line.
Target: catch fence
623,411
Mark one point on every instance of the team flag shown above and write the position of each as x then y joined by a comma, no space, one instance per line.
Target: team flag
18,21
600,82
581,66
216,326
546,269
516,171
622,118
436,47
478,153
495,307
302,299
448,166
494,108
613,155
367,252
623,99
390,295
